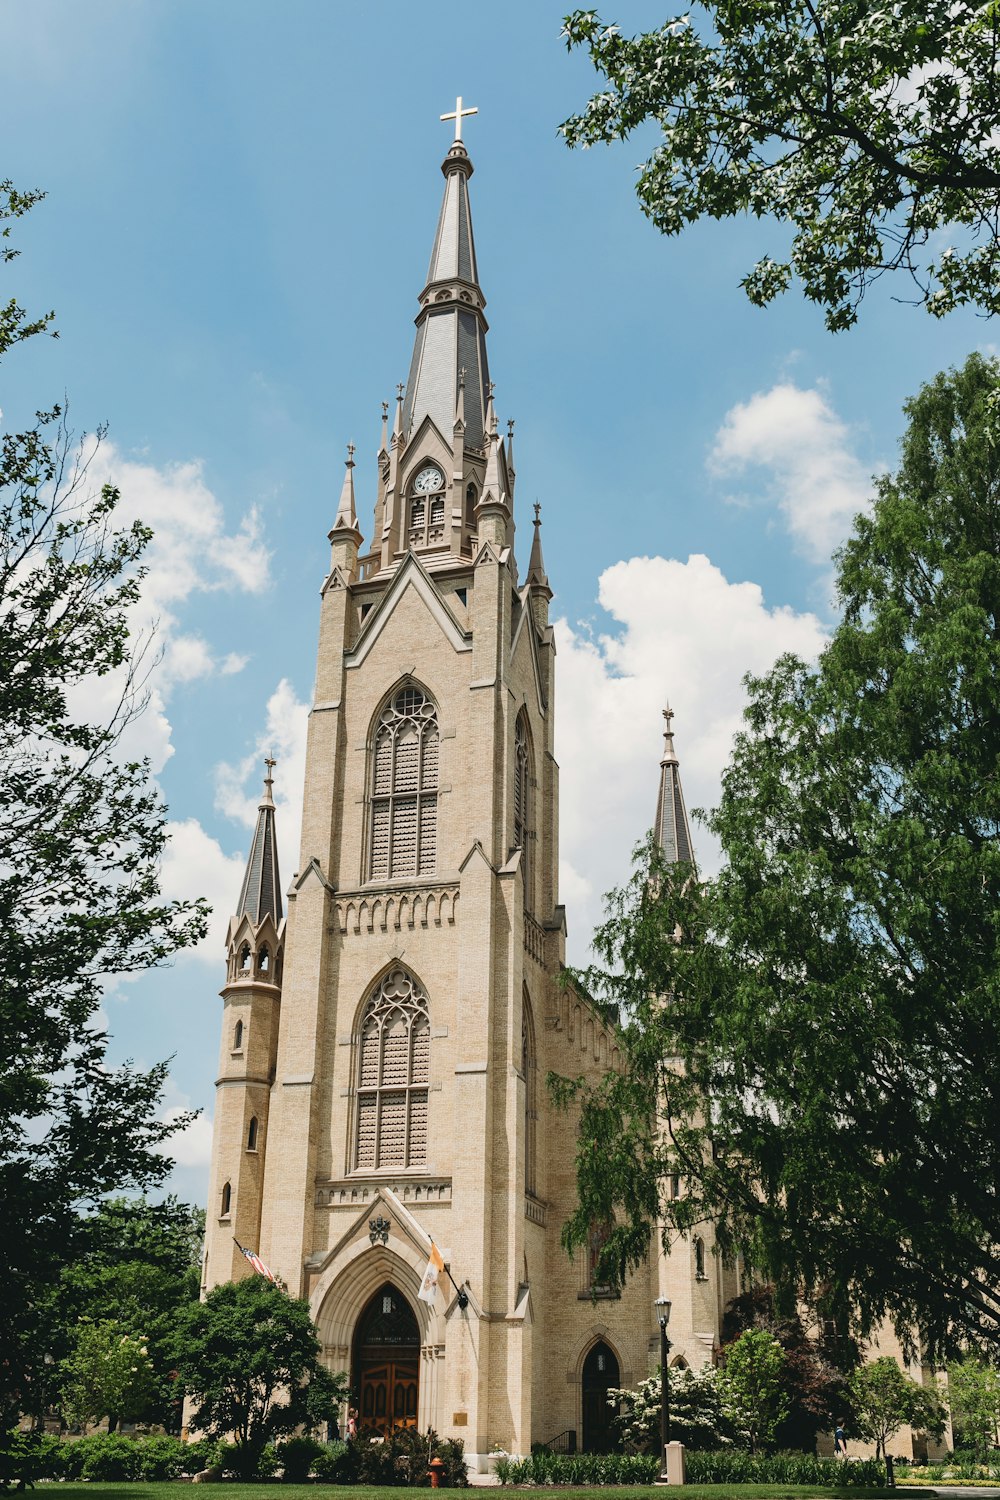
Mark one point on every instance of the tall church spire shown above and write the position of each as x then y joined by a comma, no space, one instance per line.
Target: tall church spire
451,327
261,893
672,831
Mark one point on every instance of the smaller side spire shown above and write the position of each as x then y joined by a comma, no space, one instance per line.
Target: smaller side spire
672,830
383,451
347,516
536,564
260,896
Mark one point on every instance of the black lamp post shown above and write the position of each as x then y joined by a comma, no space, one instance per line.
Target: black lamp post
662,1305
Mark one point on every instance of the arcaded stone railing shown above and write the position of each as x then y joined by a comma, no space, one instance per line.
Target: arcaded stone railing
396,910
534,939
534,1210
351,1193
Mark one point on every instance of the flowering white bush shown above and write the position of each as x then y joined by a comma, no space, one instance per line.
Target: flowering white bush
696,1417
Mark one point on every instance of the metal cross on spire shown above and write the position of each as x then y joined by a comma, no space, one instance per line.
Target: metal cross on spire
458,115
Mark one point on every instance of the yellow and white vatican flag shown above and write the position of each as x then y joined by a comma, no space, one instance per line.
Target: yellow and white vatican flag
429,1285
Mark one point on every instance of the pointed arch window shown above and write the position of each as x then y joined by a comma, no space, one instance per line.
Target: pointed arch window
529,1065
700,1273
523,807
404,788
227,1200
238,1036
393,1076
252,1134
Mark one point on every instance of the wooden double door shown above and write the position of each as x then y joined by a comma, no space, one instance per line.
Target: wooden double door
386,1364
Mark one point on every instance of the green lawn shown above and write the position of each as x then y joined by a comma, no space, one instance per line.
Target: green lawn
270,1490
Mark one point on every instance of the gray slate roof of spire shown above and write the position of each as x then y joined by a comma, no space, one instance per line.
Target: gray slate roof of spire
672,830
451,328
261,893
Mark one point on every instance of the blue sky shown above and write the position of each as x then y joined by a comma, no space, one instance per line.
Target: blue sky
241,203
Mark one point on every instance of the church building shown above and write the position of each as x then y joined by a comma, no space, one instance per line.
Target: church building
385,1042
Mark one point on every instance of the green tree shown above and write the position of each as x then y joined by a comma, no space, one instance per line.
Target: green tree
865,129
108,1374
974,1397
138,1263
884,1400
753,1399
82,832
834,992
249,1358
812,1377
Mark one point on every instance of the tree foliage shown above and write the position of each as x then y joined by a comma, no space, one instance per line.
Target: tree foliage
866,129
974,1397
810,1039
814,1372
884,1399
108,1374
136,1263
81,834
249,1358
753,1397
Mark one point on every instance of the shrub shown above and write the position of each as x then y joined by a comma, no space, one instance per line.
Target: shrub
403,1456
296,1457
160,1457
203,1453
725,1466
696,1417
27,1456
107,1456
337,1463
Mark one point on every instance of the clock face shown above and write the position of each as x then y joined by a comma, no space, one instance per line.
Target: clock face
428,480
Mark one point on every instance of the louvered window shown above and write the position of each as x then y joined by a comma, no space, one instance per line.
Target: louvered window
393,1076
403,824
523,823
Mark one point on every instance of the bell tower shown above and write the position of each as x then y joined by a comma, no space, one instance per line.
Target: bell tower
255,951
421,1004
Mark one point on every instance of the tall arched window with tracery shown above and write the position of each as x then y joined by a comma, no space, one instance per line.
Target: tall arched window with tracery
393,1076
523,821
404,788
529,1065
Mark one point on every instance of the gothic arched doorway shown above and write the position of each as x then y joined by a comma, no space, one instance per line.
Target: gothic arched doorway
600,1374
385,1361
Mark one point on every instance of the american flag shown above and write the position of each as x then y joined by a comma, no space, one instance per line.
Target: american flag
257,1263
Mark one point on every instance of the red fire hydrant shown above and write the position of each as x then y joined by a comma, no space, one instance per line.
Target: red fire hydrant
435,1469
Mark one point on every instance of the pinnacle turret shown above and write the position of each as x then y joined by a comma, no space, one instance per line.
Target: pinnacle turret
672,830
260,896
537,577
347,516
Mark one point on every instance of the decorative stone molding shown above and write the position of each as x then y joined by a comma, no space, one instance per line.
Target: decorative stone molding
534,939
396,910
351,1193
534,1211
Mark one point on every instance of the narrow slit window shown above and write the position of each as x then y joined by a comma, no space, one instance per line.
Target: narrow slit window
252,1134
227,1200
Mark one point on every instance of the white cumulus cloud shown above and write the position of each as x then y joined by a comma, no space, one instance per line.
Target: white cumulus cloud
683,634
195,864
815,475
238,787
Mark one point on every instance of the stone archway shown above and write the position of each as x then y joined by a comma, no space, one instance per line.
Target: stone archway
601,1373
385,1362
